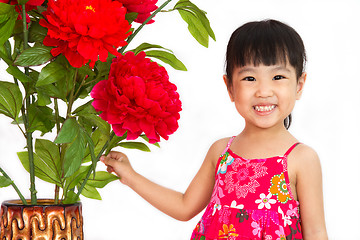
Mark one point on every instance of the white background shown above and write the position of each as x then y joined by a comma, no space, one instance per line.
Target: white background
326,118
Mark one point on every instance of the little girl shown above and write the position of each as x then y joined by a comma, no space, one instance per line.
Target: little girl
262,183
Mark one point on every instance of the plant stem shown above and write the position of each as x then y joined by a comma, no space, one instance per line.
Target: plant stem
57,120
72,98
93,167
26,123
131,37
14,186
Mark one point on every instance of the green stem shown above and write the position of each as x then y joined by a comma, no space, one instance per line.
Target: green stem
131,37
57,120
26,123
14,186
72,96
93,167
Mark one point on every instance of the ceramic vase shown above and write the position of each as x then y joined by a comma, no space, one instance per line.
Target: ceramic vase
44,221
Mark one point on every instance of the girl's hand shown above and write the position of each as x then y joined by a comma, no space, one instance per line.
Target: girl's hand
118,163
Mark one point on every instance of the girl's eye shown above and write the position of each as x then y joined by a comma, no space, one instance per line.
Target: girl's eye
278,77
250,79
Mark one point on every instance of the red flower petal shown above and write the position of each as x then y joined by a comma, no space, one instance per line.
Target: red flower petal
142,7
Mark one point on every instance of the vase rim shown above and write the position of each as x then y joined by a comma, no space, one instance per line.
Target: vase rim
40,202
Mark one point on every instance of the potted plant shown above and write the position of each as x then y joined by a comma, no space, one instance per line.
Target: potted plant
89,95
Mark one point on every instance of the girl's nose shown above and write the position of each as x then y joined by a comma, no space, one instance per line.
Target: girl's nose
264,89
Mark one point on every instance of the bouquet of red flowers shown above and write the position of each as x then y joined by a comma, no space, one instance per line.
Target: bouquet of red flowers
80,47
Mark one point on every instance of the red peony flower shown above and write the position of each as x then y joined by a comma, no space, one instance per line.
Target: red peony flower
30,5
138,97
142,7
85,30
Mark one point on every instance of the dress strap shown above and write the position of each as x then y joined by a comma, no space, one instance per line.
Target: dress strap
228,145
290,149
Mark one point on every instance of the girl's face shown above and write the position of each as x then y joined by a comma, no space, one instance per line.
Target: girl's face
265,95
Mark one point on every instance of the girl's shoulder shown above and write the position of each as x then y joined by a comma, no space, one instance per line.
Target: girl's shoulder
217,148
220,145
304,157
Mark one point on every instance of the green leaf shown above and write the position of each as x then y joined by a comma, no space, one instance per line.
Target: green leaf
168,58
195,27
99,139
49,153
37,33
14,71
135,145
77,177
43,98
91,147
200,14
94,120
163,54
85,108
40,118
34,56
70,198
4,182
68,131
10,99
42,170
8,17
74,154
101,179
91,192
5,9
51,90
130,17
51,73
72,134
146,46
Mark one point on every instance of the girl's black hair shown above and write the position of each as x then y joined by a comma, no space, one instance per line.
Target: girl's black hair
265,42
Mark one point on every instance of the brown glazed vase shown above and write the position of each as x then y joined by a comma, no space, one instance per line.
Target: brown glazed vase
44,221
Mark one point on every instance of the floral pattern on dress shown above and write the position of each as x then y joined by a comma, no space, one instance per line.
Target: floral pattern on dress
224,162
242,215
293,211
256,229
227,232
280,188
280,233
265,201
243,179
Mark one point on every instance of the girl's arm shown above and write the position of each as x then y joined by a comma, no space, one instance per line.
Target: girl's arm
310,194
181,206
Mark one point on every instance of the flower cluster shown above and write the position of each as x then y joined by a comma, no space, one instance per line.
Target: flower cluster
137,98
85,30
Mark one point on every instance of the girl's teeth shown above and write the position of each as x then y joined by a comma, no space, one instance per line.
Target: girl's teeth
264,108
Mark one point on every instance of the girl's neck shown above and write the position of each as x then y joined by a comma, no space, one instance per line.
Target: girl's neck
259,135
255,143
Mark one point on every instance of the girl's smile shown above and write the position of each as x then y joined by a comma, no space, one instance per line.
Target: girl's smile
264,109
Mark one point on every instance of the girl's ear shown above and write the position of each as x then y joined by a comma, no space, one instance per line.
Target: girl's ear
300,85
229,88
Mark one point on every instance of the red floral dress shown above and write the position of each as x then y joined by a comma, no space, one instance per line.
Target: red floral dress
251,200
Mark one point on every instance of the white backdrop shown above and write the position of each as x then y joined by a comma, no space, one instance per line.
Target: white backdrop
326,118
